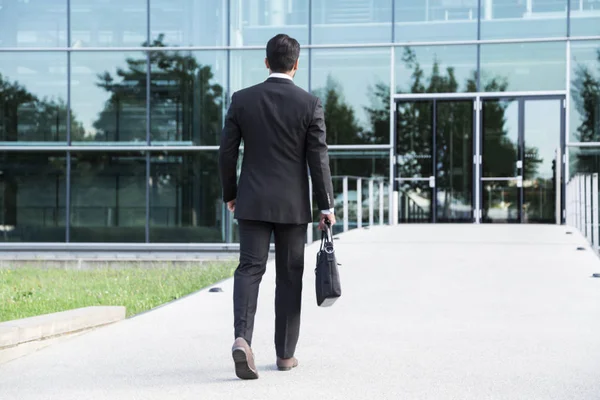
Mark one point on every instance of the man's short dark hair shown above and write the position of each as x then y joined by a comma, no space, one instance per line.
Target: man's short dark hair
282,53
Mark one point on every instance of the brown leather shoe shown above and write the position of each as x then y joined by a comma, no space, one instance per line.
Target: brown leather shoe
244,360
286,364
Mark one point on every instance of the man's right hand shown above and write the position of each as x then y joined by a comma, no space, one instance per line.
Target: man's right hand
231,205
329,217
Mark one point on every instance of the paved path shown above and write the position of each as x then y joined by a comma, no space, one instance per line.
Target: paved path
428,312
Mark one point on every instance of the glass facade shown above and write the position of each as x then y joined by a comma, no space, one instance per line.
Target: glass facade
525,66
33,196
107,23
111,111
107,197
352,105
108,97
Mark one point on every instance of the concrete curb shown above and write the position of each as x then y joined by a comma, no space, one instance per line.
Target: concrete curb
24,336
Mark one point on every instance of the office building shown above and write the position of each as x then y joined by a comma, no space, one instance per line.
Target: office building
478,111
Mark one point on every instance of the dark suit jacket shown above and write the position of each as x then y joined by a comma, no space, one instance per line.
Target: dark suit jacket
283,129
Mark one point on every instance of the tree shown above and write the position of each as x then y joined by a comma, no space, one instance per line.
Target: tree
13,97
586,99
342,128
185,106
185,103
342,125
453,140
192,100
378,115
26,117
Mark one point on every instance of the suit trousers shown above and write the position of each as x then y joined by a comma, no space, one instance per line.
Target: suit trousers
255,238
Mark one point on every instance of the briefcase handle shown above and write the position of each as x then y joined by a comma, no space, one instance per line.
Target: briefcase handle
327,238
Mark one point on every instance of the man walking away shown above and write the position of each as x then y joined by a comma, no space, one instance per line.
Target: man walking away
283,129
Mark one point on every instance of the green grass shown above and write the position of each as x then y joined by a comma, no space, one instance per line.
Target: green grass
30,291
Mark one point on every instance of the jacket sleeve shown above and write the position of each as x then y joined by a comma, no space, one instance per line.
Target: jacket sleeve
229,152
318,159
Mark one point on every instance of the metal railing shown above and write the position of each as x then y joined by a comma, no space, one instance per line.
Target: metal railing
582,206
360,202
409,210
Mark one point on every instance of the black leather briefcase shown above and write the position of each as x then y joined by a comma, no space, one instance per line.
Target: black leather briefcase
327,283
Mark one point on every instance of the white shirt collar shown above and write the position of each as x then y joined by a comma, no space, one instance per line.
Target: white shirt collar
280,76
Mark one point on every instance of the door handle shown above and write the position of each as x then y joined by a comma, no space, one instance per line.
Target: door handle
432,181
519,181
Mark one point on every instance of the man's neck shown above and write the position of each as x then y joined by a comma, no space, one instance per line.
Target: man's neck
280,75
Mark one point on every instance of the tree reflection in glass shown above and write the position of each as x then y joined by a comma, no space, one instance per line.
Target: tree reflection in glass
186,103
32,197
31,108
586,87
26,117
185,197
586,101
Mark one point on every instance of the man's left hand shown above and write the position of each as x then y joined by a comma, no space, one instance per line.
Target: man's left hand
231,205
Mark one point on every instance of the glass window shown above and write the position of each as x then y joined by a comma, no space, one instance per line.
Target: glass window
523,66
351,21
108,197
584,160
508,19
189,22
187,96
354,88
500,124
254,22
33,23
585,18
185,198
436,69
248,68
33,97
108,23
32,197
108,97
435,20
454,161
584,123
353,164
360,163
541,130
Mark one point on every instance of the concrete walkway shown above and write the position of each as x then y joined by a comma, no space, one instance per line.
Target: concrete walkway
428,312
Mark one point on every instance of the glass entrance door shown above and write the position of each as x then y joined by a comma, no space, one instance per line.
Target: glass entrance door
434,167
520,149
454,160
441,175
501,172
415,182
542,148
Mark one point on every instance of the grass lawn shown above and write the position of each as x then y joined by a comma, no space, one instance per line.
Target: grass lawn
29,291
